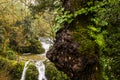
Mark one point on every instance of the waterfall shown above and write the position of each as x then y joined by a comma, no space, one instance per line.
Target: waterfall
46,42
39,64
24,71
41,69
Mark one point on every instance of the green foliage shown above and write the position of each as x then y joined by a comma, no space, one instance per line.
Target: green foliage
87,46
11,67
16,71
53,74
102,29
36,47
112,51
105,64
90,9
105,34
66,17
31,73
97,35
108,38
42,5
10,54
17,27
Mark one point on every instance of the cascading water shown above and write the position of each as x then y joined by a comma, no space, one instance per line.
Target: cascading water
24,70
41,69
39,64
46,42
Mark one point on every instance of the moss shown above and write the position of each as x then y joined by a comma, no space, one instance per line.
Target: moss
11,67
31,73
36,47
53,74
16,71
86,44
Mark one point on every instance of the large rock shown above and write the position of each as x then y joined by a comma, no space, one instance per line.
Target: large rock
74,51
67,57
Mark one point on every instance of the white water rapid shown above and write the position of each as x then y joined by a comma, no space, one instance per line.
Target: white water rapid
39,64
24,70
46,43
41,69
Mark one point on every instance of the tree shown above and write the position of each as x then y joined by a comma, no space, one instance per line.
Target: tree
16,27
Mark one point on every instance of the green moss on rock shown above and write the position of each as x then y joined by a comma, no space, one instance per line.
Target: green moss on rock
16,71
52,73
87,46
31,73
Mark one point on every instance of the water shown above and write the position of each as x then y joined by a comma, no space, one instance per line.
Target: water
41,69
46,42
24,71
45,46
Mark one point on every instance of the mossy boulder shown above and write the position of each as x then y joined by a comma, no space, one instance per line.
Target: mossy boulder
31,73
75,53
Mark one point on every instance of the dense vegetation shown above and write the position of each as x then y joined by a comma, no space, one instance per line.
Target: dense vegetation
95,26
20,30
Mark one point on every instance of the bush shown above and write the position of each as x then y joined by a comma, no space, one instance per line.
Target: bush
16,71
32,46
36,47
31,73
10,54
53,74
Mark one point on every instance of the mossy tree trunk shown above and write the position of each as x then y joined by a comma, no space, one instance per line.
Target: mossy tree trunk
74,52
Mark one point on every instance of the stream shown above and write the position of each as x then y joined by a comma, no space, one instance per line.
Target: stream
38,63
24,70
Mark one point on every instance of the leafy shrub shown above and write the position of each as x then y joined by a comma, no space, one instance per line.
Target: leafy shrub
36,47
10,54
31,73
53,74
32,46
16,71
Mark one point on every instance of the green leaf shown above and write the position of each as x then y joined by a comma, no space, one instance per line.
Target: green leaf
91,27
